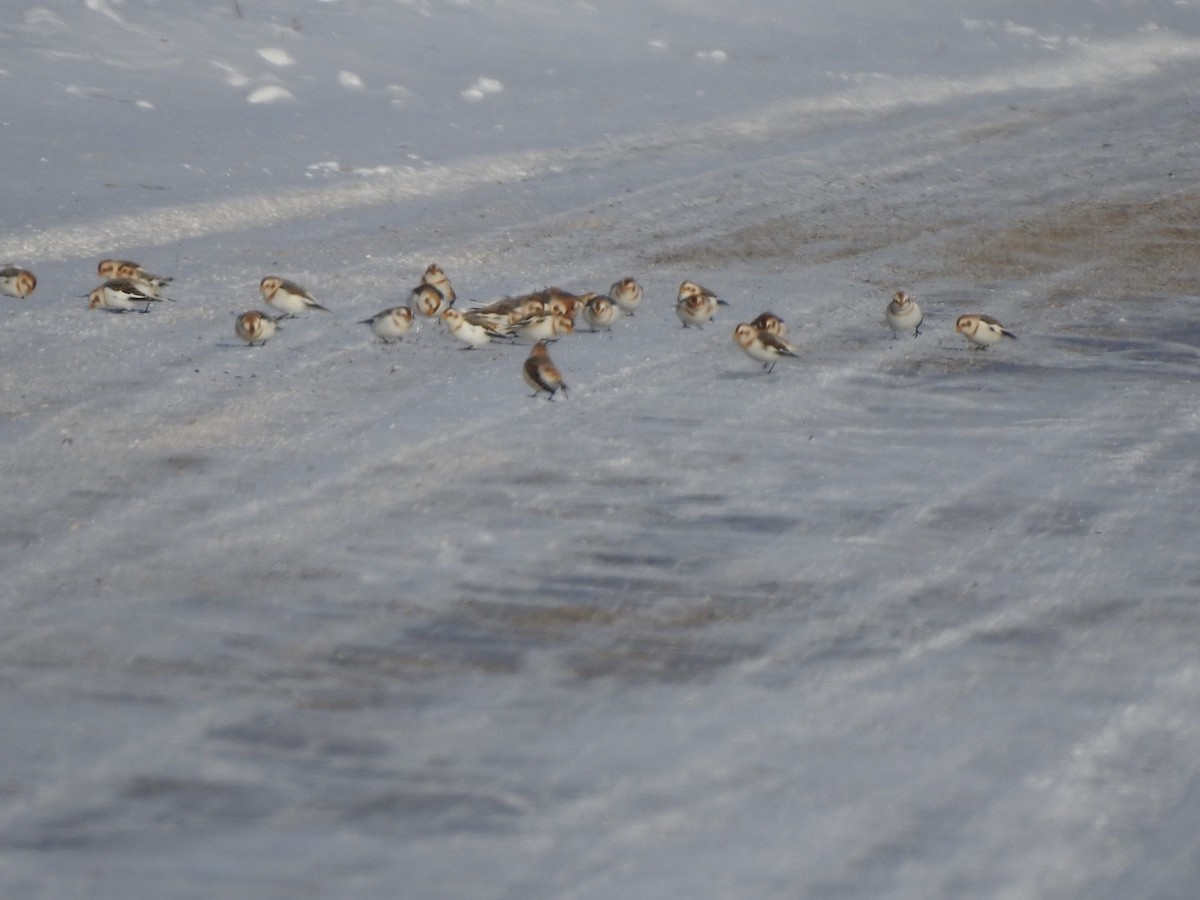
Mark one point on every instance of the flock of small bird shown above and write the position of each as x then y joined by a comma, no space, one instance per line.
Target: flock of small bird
540,317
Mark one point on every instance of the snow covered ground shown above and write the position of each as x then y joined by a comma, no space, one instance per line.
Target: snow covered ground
328,618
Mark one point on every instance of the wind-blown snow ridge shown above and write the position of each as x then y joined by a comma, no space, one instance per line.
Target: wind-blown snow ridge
169,224
1096,65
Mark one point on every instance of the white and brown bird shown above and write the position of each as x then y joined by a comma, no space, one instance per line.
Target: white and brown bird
390,324
545,326
564,303
496,324
981,330
600,311
696,304
17,282
470,333
437,278
903,315
541,374
762,345
287,296
627,294
770,323
427,300
127,268
254,327
517,308
122,295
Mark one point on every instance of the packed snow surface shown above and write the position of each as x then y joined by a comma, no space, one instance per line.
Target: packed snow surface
334,618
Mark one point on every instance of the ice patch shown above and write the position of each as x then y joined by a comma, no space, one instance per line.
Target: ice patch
349,80
277,56
481,88
658,44
144,104
270,93
398,95
712,55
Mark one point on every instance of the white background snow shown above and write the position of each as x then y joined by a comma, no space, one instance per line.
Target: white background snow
328,618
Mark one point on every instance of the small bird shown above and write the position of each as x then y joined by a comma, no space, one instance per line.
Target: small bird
761,345
544,327
770,323
16,282
627,294
600,312
437,278
127,268
696,305
391,324
517,308
563,303
496,324
287,296
427,300
121,295
541,374
254,327
981,330
470,333
903,314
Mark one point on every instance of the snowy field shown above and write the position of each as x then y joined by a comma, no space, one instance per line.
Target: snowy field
327,618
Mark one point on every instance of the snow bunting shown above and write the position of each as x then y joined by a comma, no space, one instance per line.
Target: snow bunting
121,295
127,268
600,312
427,300
287,296
563,303
496,324
435,277
981,330
627,294
770,323
696,305
903,314
518,308
541,374
16,282
391,324
470,333
544,327
767,348
254,327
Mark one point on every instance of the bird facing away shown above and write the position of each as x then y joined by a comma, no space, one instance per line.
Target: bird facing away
627,294
541,374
